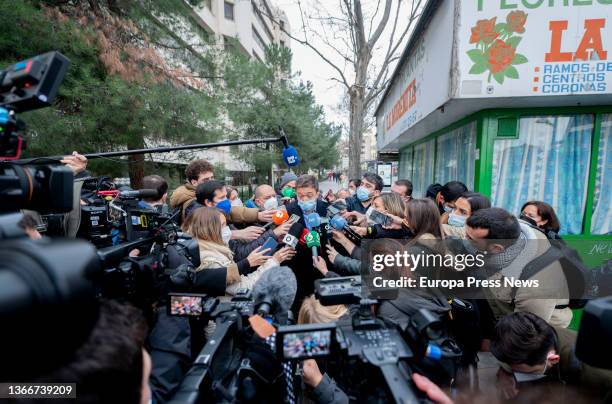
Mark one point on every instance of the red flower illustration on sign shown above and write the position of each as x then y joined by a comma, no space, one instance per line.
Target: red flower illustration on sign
501,55
515,21
495,47
484,30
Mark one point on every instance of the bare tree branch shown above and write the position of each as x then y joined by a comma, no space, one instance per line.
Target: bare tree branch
381,25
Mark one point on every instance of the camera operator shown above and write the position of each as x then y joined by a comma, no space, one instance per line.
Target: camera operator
184,197
530,350
159,184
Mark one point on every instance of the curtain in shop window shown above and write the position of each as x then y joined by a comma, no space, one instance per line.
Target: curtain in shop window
405,165
601,221
548,162
422,168
456,156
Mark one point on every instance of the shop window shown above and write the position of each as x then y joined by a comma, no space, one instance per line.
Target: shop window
456,156
405,164
601,221
548,162
423,167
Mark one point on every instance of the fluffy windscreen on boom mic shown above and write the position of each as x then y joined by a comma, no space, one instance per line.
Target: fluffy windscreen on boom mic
292,238
275,291
140,194
290,156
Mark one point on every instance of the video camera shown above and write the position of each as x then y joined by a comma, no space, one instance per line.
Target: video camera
25,86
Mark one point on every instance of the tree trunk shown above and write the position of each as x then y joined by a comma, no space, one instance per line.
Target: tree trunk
136,163
357,116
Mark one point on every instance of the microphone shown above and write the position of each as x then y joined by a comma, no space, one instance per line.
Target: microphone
280,217
290,156
274,292
339,223
313,220
313,240
292,237
303,236
139,194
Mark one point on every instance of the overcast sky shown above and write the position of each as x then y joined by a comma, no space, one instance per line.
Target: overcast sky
327,92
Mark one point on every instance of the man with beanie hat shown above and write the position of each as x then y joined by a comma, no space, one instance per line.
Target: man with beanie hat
287,186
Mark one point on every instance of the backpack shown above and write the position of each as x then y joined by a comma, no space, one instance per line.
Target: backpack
578,276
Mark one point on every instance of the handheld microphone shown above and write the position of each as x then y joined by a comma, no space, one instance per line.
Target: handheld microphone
303,236
339,223
274,291
139,194
313,240
313,220
292,237
279,217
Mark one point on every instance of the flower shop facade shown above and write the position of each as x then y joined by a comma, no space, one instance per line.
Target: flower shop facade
514,98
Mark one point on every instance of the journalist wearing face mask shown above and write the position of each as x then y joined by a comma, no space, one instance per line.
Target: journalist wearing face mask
209,227
371,186
467,204
265,197
530,351
445,199
541,216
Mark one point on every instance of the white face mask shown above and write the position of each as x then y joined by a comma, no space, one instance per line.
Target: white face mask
237,202
226,234
270,203
522,377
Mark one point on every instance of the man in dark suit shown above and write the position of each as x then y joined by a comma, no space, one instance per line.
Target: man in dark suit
308,202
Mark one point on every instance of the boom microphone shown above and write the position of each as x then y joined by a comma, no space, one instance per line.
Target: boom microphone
293,236
139,194
275,291
290,156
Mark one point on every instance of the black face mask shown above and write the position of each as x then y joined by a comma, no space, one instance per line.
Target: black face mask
527,219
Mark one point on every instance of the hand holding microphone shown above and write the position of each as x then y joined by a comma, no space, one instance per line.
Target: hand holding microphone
292,238
313,241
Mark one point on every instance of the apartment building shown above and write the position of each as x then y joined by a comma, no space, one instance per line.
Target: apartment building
255,24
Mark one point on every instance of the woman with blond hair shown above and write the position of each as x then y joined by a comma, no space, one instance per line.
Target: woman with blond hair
208,226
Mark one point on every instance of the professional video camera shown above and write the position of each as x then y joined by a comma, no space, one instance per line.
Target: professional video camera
25,86
365,341
237,363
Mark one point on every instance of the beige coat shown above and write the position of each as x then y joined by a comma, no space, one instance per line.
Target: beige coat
552,291
213,255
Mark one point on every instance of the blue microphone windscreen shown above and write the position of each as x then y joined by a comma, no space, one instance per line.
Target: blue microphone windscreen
338,222
290,156
312,220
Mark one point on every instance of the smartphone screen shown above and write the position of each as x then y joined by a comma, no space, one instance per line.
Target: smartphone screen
271,244
185,306
380,218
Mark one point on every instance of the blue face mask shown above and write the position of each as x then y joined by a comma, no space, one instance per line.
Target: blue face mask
224,205
447,209
363,194
308,206
456,220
